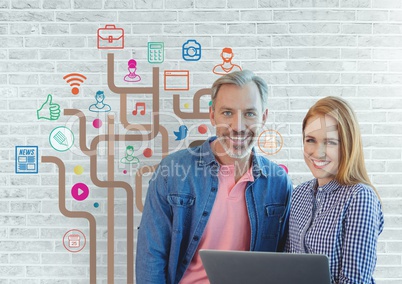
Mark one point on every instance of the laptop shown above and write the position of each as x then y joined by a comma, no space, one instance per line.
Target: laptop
251,267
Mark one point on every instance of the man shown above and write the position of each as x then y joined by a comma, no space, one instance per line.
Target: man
227,65
220,195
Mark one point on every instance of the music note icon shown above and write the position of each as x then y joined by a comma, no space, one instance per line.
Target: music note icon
141,105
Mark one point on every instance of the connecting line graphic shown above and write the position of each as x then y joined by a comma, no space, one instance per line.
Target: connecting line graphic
111,138
75,214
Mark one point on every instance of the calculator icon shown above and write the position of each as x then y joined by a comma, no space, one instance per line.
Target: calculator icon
155,52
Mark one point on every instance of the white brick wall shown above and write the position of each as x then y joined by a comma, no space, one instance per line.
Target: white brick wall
305,49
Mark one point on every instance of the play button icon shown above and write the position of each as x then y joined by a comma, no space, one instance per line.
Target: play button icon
80,191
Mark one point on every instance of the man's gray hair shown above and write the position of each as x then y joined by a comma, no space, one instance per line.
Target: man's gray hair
241,78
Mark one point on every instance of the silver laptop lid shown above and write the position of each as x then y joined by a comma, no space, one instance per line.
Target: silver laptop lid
246,267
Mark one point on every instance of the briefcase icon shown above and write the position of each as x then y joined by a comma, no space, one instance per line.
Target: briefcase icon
110,37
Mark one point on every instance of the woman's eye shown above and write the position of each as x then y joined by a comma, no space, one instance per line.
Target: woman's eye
334,143
309,140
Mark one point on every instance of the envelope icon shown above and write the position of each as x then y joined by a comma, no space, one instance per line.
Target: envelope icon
110,37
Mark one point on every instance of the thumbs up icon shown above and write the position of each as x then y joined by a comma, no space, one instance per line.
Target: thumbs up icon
48,110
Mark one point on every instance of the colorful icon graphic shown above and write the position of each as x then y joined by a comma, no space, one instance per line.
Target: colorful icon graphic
48,110
74,240
110,37
129,157
100,106
227,66
97,123
202,129
181,133
139,105
176,80
75,80
78,170
61,138
270,142
156,52
284,167
191,50
26,159
147,153
80,191
132,68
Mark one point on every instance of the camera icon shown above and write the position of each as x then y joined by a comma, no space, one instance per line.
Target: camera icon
191,50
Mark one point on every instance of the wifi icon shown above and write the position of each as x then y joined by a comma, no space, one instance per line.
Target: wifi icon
75,80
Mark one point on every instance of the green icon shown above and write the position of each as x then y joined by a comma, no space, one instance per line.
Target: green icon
48,110
61,138
155,52
129,157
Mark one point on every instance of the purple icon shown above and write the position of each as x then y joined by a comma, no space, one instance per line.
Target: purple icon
132,68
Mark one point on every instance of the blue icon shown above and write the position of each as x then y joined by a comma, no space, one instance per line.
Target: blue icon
182,133
26,159
191,50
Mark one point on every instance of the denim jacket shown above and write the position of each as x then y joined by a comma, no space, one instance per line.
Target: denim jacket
180,197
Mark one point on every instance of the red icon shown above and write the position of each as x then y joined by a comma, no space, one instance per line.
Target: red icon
139,105
80,191
176,80
75,80
74,240
110,37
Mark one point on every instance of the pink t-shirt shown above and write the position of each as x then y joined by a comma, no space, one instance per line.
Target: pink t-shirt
228,226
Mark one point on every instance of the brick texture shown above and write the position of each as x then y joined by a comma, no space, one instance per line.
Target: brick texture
305,50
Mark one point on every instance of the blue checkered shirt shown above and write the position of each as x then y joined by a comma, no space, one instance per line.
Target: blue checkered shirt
340,221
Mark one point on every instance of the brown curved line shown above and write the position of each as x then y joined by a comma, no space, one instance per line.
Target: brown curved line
196,114
130,201
75,214
82,130
110,202
138,185
123,91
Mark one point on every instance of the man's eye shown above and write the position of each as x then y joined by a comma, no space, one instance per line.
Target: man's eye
227,113
250,114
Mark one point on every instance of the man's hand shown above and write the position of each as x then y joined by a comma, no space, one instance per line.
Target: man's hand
48,110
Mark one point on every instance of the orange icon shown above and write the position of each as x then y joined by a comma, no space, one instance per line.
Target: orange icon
75,80
270,142
110,37
176,80
227,66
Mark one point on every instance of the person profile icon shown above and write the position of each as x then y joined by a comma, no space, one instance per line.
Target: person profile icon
129,158
100,106
132,67
227,65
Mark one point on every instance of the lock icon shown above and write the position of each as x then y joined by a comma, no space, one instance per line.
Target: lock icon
191,50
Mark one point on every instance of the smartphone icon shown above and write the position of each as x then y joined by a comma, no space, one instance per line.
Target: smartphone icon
155,52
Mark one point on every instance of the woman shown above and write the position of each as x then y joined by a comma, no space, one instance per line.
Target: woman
338,213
